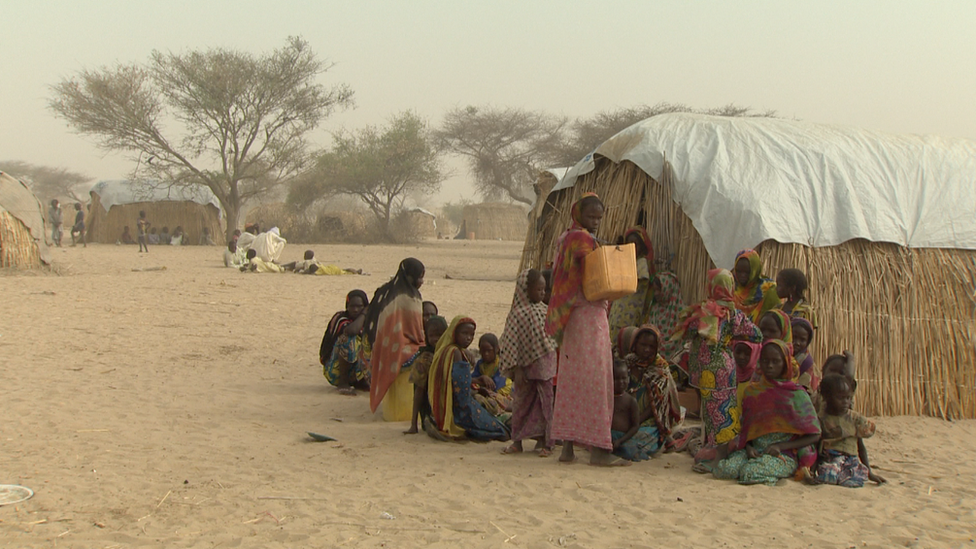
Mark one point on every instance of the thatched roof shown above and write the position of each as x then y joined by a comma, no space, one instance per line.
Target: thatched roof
20,203
123,191
803,183
905,311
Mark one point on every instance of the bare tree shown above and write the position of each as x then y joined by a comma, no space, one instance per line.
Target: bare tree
47,182
242,119
505,147
380,166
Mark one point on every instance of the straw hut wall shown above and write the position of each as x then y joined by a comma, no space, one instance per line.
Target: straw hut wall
494,221
343,226
908,314
418,223
22,228
105,225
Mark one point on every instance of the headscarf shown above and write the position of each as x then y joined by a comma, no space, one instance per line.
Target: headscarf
430,346
785,327
642,234
440,390
397,311
759,294
489,368
524,339
339,321
776,405
744,375
567,272
664,310
706,317
625,340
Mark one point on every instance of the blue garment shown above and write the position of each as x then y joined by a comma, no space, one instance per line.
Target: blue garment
469,414
639,447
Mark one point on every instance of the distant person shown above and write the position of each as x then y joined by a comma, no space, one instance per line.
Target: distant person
164,237
126,237
269,245
206,239
56,219
78,229
142,228
257,265
234,256
152,238
178,237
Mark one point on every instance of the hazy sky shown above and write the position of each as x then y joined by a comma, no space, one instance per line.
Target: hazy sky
906,67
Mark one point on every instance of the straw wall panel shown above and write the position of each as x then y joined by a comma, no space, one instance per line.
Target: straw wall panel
18,249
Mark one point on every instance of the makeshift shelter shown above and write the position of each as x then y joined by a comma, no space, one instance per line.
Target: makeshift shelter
419,223
882,224
116,204
494,221
22,229
544,184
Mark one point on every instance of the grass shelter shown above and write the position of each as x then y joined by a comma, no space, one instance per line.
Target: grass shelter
22,228
883,226
494,221
116,205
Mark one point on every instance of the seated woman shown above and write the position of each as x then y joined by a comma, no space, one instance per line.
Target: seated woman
779,424
652,385
454,410
178,236
339,352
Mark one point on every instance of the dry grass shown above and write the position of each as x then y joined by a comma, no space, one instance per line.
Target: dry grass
17,247
106,227
908,314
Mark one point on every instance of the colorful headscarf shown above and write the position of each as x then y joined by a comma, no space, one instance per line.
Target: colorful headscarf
807,364
567,272
440,390
785,326
490,368
397,311
524,339
645,329
776,405
642,234
759,294
706,317
664,310
339,321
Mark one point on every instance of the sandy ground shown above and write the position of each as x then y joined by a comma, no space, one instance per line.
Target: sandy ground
169,409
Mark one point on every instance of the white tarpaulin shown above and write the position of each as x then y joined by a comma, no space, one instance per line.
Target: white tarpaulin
745,180
124,191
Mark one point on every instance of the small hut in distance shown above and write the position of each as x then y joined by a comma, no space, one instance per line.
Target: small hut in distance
494,221
116,205
22,229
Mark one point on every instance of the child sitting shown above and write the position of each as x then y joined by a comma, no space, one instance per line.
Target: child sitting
653,385
630,440
419,365
778,420
486,371
127,236
153,238
255,264
802,337
746,355
843,456
842,365
339,352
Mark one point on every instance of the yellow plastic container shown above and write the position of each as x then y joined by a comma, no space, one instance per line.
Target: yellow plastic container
610,272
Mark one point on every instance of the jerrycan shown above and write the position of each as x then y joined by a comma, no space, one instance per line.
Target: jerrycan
610,272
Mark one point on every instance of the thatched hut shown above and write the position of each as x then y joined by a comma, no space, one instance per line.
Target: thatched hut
418,223
883,225
22,229
494,221
116,204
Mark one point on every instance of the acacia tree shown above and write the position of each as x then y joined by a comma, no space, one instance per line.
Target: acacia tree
505,147
380,166
47,182
241,119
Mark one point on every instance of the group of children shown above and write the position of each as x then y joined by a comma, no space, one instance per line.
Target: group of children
606,376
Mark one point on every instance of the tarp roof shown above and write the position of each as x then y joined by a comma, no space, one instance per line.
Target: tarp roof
745,180
21,203
123,191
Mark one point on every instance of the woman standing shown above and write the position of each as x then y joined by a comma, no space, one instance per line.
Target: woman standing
394,330
711,327
584,400
754,293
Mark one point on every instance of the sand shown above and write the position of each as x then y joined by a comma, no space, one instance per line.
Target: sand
169,409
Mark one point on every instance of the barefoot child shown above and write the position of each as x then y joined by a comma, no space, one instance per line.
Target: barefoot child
631,440
339,352
419,365
528,355
778,420
843,456
584,402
